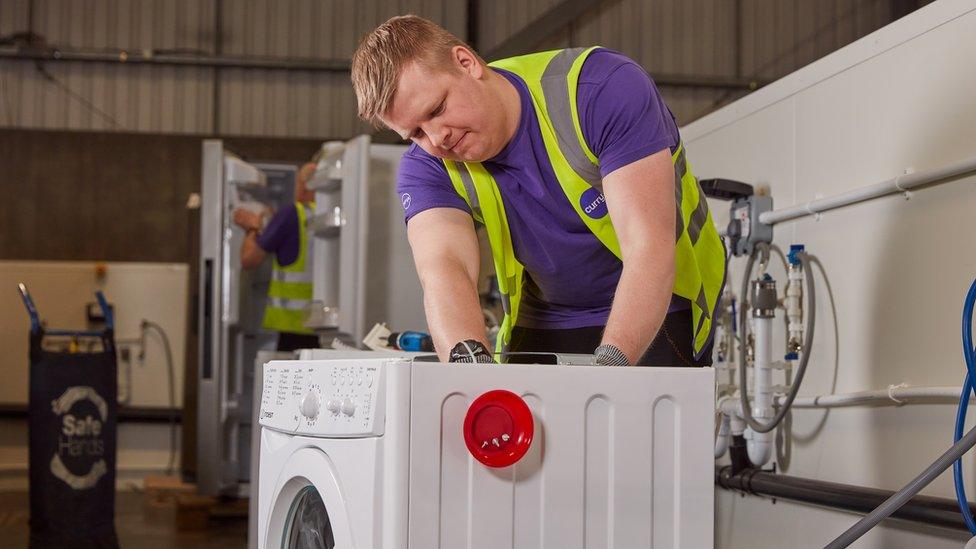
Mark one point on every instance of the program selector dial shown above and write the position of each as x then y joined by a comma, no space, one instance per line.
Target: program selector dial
309,406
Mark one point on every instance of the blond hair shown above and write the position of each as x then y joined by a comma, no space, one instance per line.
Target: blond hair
383,53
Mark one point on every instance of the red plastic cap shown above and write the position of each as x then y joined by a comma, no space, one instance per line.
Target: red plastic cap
498,428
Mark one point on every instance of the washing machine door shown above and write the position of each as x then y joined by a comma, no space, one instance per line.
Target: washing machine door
307,510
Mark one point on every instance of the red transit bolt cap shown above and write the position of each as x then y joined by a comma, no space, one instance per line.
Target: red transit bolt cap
498,428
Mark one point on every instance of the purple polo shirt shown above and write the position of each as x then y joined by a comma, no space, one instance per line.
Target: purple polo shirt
572,276
281,236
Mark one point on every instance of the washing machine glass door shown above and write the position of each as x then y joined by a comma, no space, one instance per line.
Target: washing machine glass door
308,525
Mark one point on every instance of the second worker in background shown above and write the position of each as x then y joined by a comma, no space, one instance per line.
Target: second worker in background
285,236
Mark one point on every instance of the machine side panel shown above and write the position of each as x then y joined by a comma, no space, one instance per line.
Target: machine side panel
620,458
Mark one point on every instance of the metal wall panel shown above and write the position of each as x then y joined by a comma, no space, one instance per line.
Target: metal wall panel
748,38
700,37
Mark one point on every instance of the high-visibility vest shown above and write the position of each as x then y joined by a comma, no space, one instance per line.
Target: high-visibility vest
552,78
290,290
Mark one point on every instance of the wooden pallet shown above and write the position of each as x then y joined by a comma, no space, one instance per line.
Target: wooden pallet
193,512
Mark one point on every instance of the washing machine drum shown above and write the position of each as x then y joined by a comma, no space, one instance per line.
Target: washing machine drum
308,525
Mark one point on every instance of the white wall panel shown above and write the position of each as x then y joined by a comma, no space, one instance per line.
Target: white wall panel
898,99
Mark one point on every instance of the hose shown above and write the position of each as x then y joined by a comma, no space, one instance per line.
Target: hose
969,353
967,516
147,324
952,457
754,424
901,497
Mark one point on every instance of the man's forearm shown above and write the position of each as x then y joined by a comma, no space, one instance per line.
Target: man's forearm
640,304
453,308
251,253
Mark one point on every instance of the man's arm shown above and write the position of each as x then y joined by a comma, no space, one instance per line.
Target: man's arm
445,250
640,198
251,253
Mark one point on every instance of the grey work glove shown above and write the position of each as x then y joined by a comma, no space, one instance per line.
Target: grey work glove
608,355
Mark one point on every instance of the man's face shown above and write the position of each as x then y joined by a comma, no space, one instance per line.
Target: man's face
451,113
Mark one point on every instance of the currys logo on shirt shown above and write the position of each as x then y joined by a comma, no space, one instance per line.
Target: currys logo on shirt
593,202
405,200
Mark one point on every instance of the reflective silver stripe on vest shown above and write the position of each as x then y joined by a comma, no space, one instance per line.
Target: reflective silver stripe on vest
698,218
469,188
286,276
679,172
290,304
702,303
556,92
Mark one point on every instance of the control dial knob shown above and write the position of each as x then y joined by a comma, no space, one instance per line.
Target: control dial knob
334,406
348,407
310,405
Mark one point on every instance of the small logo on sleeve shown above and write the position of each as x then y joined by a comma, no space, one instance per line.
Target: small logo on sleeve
593,203
405,200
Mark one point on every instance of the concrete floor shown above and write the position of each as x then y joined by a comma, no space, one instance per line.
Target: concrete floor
136,525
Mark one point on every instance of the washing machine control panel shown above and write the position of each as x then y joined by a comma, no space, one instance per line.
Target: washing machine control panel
326,398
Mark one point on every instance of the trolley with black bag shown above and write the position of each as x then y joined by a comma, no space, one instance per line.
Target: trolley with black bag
72,432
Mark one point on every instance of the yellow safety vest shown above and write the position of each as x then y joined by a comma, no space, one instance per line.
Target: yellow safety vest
552,78
290,291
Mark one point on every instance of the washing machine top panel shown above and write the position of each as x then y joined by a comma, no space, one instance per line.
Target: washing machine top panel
326,398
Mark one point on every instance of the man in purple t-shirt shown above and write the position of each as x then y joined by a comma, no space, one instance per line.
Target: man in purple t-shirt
279,237
578,297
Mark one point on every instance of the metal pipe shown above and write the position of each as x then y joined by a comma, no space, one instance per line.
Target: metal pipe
898,500
141,57
929,510
901,183
147,57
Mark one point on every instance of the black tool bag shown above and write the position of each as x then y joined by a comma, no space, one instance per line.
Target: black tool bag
72,444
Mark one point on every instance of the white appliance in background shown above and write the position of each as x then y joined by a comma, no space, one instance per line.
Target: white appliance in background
363,268
371,453
230,313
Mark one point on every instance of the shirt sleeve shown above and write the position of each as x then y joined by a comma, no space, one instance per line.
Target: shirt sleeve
623,116
423,184
273,237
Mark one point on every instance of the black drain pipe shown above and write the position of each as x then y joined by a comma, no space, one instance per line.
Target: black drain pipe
929,510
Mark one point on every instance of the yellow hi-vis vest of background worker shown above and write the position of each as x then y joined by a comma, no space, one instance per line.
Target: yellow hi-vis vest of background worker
290,291
552,79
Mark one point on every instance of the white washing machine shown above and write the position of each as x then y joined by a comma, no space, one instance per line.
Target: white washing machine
390,453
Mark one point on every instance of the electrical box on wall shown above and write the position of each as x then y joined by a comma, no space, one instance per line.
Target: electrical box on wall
745,230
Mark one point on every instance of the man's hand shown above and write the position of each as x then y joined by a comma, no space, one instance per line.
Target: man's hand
640,198
247,219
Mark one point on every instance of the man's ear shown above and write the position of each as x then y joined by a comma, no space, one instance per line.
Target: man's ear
466,61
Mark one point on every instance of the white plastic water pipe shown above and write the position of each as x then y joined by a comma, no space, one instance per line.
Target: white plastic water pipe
760,445
901,183
896,395
723,438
